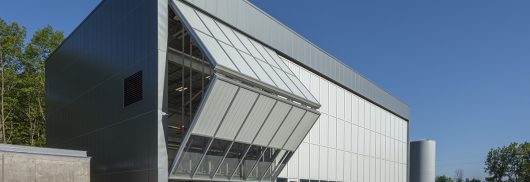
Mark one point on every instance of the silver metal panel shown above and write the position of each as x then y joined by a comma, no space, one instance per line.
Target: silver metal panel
287,127
422,161
216,105
255,119
248,18
274,120
301,131
237,114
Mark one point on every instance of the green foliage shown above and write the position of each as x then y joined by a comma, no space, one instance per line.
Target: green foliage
444,179
509,163
472,180
22,107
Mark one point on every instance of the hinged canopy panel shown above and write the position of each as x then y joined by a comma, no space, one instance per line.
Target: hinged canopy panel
237,55
255,112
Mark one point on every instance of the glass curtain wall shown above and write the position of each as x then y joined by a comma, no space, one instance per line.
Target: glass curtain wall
188,75
203,157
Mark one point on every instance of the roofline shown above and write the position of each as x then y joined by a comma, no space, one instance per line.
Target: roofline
404,114
324,51
42,151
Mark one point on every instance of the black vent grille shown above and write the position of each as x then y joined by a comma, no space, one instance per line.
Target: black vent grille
132,89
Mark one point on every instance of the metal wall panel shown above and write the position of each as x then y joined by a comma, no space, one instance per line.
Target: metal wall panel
313,162
237,114
216,106
274,120
84,86
288,126
255,119
301,130
258,24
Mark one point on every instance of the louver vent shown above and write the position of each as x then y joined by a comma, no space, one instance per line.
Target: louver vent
132,89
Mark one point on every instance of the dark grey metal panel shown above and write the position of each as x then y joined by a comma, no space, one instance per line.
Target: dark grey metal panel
261,26
84,91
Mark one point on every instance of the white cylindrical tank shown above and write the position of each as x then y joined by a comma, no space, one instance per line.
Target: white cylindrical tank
422,161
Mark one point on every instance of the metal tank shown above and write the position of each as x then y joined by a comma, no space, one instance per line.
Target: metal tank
422,161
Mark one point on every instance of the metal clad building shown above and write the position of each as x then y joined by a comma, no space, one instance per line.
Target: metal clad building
159,90
423,161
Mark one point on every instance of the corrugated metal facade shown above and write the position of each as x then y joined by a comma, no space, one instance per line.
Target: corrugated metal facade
246,17
84,91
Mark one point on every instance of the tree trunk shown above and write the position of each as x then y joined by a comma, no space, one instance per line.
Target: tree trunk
3,134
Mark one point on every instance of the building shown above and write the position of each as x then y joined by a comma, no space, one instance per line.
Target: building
422,161
159,90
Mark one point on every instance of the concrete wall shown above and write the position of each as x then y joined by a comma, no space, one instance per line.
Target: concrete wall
23,166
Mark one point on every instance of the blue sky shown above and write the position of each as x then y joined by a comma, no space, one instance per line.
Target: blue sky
462,66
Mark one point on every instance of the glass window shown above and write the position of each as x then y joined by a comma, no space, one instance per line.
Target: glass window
264,53
264,164
302,88
212,26
275,78
280,60
280,167
263,76
193,152
289,83
213,158
233,158
216,51
250,160
276,161
238,61
232,37
193,19
252,50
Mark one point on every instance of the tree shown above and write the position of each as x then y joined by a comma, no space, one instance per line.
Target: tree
472,180
11,50
509,163
22,105
443,179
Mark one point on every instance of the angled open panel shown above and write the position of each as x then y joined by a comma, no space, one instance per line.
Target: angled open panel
246,112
